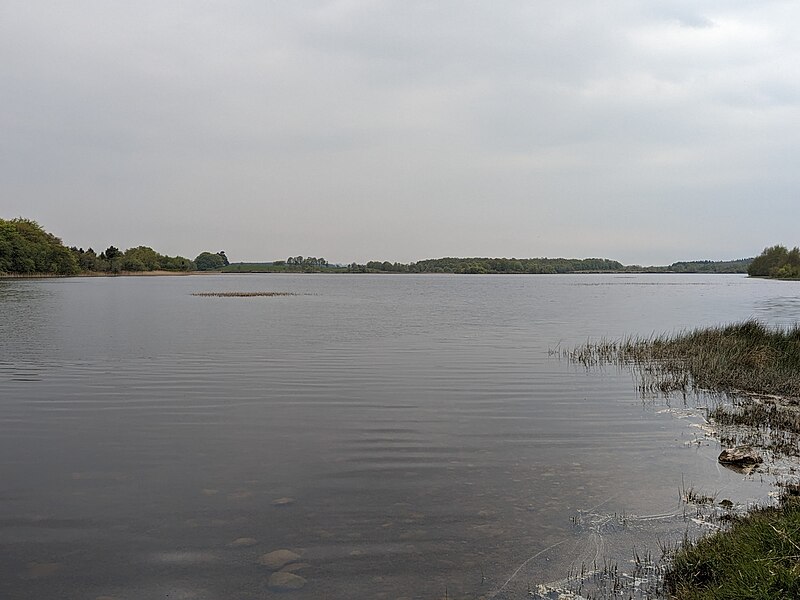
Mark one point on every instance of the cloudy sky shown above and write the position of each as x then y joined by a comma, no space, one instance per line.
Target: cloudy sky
647,132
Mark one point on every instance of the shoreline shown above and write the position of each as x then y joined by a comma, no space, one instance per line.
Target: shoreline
162,273
100,274
753,371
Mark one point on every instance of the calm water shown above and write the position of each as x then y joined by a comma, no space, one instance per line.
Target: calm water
413,430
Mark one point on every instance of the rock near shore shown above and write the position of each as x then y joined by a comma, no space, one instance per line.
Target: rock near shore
285,582
740,456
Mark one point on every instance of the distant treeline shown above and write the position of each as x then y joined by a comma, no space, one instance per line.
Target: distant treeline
293,264
777,262
545,266
699,266
498,265
138,259
27,249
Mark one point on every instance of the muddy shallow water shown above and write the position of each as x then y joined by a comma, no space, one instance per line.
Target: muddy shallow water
404,436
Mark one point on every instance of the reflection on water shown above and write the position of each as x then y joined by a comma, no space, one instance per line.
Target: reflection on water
401,436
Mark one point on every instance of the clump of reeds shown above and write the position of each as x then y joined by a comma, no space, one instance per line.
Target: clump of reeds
748,356
768,423
767,414
243,294
691,495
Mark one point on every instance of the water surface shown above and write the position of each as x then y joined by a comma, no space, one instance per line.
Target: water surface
408,436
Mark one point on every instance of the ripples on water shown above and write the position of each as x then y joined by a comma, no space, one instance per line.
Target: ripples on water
406,435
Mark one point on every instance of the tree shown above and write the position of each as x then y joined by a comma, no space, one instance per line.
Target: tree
207,261
769,262
112,252
27,248
142,258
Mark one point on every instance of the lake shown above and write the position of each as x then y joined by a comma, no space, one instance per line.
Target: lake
408,436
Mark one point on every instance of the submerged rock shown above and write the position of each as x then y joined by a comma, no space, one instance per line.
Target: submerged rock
285,582
740,456
278,559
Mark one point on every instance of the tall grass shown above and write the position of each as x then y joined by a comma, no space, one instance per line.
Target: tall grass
744,357
757,369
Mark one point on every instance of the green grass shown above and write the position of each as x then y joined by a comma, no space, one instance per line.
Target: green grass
757,558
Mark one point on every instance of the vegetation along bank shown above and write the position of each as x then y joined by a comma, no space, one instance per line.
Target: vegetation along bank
758,369
26,249
776,262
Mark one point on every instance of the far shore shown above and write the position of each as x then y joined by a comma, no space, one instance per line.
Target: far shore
162,273
100,274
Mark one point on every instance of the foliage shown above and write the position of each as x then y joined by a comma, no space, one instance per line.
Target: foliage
499,265
26,248
356,268
280,266
544,266
758,557
777,262
207,261
308,264
140,258
704,266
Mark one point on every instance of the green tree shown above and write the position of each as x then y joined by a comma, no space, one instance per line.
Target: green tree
27,248
770,261
208,261
141,258
111,254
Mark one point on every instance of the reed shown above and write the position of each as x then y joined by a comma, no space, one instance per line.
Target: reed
755,370
243,294
745,357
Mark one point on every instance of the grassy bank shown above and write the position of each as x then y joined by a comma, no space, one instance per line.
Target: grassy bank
756,368
758,557
756,372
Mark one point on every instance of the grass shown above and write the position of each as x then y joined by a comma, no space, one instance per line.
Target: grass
748,356
764,422
755,368
690,495
758,557
755,371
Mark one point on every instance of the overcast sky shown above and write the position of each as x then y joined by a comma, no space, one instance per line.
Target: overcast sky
646,132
